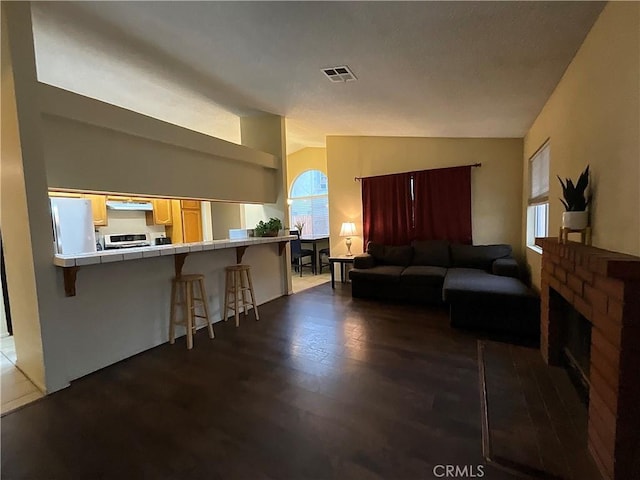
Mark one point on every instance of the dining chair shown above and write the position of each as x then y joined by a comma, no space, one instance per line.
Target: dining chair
298,254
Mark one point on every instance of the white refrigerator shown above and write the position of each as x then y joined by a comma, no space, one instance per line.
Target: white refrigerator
73,225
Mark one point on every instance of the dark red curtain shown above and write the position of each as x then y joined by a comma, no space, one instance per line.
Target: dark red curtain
386,209
443,204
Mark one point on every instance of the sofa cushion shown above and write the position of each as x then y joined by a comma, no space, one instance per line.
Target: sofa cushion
364,260
469,284
423,275
506,267
378,274
433,253
477,256
390,255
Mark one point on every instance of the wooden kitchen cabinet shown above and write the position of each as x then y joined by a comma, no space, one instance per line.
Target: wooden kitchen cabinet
53,193
98,205
190,204
161,214
126,198
192,225
98,208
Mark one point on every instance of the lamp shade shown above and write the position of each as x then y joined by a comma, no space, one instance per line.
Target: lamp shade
348,229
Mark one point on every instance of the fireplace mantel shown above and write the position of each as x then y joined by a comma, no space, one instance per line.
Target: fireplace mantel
604,287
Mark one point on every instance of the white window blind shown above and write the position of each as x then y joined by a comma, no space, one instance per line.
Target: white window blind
310,203
540,175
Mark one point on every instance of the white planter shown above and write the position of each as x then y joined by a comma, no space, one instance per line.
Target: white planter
575,220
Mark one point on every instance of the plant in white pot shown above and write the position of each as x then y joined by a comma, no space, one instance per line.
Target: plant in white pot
575,202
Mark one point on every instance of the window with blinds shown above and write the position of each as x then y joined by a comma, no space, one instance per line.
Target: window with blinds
310,203
540,176
538,211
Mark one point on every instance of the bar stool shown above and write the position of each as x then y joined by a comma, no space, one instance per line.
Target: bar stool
184,285
237,284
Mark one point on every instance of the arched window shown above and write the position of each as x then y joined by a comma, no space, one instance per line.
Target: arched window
310,203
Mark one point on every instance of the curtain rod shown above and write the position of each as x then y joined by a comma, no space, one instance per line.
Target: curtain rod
357,179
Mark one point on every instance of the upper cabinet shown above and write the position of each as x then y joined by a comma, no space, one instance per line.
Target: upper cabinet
65,194
99,209
98,205
191,217
190,204
191,225
161,214
125,198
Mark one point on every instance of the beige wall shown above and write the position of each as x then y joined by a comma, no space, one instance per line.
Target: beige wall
496,186
224,217
593,118
24,193
124,302
90,145
310,158
267,133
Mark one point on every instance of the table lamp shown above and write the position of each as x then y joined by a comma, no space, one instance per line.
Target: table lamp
348,230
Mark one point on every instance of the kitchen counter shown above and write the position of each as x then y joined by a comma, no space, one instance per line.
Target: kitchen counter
71,263
119,255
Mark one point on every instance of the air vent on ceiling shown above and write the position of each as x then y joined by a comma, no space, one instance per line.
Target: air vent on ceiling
339,74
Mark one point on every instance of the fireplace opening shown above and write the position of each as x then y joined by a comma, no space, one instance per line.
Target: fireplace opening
575,352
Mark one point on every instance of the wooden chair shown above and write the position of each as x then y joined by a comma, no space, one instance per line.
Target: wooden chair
237,284
183,287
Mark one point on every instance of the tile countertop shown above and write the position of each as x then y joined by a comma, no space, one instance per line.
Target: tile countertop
119,255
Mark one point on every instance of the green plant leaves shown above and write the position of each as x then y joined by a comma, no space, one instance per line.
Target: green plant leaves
574,195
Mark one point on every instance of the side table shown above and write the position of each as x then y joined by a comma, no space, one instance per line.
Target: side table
342,260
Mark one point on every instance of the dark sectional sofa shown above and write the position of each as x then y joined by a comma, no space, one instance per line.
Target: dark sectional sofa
480,284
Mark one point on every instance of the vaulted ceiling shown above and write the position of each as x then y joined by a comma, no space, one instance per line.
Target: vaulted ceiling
442,69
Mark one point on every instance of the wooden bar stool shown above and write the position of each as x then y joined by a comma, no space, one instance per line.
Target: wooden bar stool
182,286
237,284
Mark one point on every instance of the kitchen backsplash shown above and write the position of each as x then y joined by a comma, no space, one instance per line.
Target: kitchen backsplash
134,221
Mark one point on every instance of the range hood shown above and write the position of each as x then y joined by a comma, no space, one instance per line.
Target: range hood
146,206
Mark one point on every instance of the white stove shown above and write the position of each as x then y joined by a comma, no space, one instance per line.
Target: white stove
126,240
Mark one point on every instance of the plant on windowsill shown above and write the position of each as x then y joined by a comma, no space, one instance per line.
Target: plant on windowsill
269,228
575,202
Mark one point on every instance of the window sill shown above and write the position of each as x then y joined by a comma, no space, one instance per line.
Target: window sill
535,248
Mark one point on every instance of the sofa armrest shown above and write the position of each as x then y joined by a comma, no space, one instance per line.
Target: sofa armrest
506,267
364,260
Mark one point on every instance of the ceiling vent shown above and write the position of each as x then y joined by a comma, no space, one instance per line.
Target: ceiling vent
339,74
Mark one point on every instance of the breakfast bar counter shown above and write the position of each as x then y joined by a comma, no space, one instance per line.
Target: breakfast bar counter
71,263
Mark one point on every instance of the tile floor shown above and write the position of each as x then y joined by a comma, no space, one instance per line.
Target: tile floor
309,280
16,389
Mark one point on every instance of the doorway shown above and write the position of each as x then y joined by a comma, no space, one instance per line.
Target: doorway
17,389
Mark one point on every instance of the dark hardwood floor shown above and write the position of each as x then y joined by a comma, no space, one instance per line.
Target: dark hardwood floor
322,386
537,420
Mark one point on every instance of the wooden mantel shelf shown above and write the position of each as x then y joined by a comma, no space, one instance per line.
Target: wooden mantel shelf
71,263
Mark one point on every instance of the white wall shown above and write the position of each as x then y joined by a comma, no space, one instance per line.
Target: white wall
134,221
122,308
96,60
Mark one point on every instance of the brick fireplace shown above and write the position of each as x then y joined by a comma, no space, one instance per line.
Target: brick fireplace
604,287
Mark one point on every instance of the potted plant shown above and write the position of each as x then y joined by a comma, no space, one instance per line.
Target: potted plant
269,228
575,202
299,225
